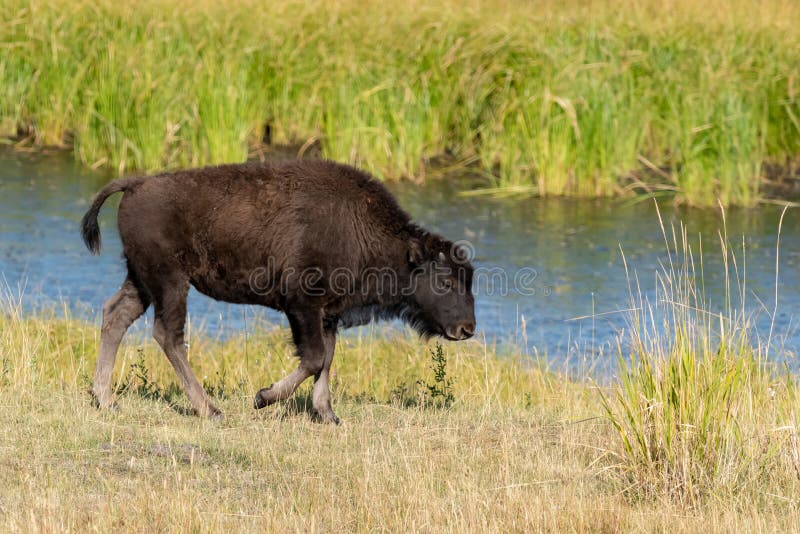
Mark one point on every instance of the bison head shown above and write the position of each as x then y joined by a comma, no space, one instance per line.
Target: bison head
441,290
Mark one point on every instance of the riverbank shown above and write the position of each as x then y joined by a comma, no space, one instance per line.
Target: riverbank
699,101
497,442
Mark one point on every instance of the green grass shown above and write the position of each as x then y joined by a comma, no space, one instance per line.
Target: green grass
699,385
557,98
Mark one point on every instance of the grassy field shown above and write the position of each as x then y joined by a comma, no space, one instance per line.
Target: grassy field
518,449
698,431
556,98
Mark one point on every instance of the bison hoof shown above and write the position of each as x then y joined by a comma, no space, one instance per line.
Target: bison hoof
103,402
209,411
263,398
325,418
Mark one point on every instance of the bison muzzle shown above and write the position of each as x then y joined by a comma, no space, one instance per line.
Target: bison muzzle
324,243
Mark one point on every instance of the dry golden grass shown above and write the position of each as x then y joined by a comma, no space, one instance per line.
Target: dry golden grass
520,449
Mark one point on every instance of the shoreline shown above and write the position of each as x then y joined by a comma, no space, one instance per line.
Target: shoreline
779,186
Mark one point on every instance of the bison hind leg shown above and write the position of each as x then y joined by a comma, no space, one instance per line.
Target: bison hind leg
169,299
119,313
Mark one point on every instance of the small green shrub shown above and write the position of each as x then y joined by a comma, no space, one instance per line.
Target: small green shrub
440,391
137,381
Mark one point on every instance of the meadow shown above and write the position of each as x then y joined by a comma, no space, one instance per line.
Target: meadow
698,429
693,99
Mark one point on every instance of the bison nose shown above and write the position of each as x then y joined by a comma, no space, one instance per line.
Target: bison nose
469,329
460,331
466,330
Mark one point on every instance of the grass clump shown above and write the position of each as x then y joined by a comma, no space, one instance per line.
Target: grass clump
567,98
699,410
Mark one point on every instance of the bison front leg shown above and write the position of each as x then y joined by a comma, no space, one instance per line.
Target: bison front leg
322,392
315,345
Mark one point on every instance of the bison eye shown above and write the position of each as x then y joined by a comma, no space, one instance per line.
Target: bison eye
448,285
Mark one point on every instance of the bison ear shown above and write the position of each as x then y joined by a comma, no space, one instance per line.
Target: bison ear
415,252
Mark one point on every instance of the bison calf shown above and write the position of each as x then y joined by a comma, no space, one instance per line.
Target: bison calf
324,243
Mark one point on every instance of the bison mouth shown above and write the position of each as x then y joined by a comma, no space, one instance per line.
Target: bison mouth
420,321
427,327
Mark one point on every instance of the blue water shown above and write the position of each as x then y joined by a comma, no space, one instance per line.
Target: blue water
569,252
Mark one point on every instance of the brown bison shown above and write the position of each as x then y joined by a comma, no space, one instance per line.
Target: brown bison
322,242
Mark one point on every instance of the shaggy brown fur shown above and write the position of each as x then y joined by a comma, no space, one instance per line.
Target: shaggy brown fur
322,242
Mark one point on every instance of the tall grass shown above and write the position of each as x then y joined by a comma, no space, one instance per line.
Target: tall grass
559,98
700,410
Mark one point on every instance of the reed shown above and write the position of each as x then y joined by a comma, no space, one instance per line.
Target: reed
701,406
559,98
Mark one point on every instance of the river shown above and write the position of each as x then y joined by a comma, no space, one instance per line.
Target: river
553,279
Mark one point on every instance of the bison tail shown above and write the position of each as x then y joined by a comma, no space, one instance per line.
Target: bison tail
90,230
